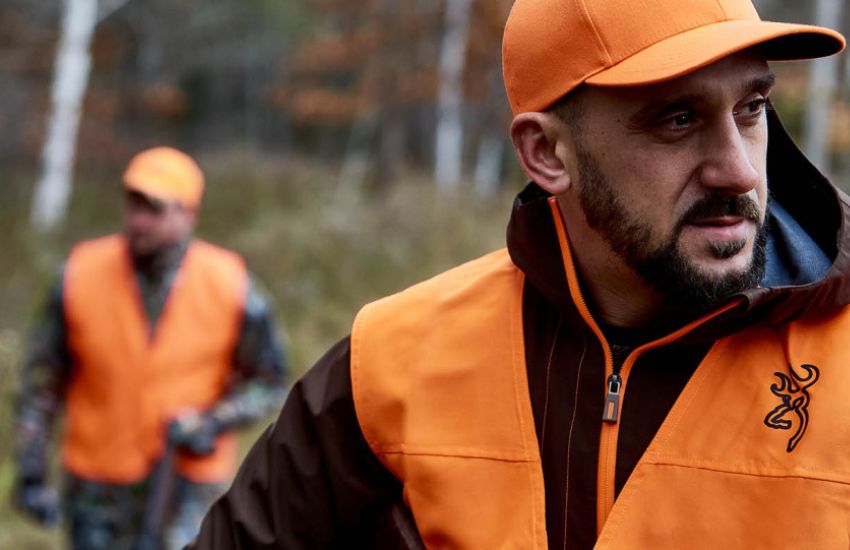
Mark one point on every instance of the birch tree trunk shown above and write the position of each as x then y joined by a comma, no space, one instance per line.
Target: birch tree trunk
73,61
448,151
823,79
488,166
491,146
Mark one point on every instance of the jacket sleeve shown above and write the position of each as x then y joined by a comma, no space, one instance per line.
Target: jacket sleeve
260,368
41,390
311,480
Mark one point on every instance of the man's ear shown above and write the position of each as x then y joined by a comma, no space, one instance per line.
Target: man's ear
190,217
193,217
539,143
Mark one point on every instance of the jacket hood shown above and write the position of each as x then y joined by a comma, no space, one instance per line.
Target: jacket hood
808,250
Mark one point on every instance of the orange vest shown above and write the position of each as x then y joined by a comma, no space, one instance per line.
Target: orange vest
126,382
440,390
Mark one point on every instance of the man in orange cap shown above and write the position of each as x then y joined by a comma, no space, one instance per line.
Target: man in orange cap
152,340
658,359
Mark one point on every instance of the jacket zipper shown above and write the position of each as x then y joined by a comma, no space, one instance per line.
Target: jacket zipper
610,433
605,453
616,375
615,386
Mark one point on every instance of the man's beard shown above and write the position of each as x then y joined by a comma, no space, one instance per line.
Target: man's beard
666,267
154,259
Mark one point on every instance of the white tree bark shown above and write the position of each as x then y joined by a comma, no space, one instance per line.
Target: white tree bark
488,166
448,154
492,143
73,62
823,79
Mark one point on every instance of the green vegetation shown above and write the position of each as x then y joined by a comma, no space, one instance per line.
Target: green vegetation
322,252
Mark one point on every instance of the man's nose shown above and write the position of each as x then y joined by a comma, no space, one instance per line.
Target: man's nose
731,157
137,219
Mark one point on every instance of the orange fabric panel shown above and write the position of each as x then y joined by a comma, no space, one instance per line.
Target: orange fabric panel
666,506
459,501
716,457
458,452
125,383
718,421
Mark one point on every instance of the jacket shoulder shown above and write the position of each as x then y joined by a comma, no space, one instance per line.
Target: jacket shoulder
94,256
107,245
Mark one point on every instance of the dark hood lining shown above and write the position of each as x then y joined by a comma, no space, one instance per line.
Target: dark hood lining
807,195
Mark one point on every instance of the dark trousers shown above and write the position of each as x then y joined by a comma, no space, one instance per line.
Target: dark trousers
109,517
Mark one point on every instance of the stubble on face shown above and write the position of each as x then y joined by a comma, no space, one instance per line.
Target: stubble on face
666,267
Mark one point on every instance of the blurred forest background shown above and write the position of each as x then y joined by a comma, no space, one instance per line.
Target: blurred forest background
351,148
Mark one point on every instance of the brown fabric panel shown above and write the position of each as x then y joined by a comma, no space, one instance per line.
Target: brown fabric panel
560,357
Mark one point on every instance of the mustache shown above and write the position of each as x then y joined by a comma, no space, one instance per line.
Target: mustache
715,206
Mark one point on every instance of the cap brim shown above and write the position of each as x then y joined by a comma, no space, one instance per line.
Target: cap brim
149,190
702,46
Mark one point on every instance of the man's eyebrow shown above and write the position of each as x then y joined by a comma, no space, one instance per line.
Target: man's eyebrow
760,83
660,106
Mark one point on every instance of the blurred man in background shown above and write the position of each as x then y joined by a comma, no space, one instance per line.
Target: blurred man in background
151,342
658,359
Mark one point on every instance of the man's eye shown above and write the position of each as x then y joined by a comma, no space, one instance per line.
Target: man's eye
682,119
675,125
754,107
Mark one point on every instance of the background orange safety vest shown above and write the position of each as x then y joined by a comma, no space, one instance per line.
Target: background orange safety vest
126,381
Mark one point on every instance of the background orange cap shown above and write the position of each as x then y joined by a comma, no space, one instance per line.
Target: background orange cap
552,46
167,174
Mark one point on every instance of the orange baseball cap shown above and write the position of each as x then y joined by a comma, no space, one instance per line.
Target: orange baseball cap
166,174
552,46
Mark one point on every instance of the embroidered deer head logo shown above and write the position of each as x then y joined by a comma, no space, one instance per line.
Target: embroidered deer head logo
795,399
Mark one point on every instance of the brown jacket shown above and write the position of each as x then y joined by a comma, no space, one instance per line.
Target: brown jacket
312,481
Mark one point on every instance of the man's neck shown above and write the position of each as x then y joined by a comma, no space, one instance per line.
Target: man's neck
619,297
156,265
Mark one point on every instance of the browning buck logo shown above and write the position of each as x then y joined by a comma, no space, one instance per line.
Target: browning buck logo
795,399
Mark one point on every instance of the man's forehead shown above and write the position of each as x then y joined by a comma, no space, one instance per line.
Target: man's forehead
154,203
733,76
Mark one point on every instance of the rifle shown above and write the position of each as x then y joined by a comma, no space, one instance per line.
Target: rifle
158,500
